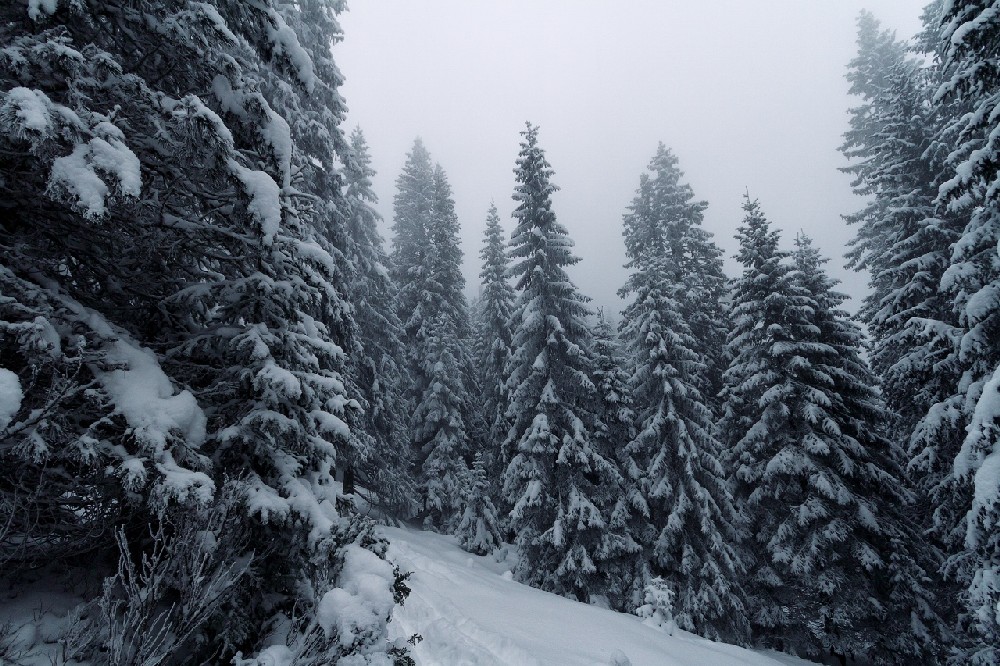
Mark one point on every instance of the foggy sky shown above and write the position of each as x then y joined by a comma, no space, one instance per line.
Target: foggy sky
750,96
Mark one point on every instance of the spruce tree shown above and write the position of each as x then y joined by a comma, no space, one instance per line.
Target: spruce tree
439,429
690,505
970,37
379,357
479,530
910,624
436,333
767,343
903,240
173,227
446,283
817,484
554,470
495,306
705,310
623,557
413,206
662,196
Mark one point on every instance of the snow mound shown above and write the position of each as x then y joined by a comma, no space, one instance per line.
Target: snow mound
10,396
365,599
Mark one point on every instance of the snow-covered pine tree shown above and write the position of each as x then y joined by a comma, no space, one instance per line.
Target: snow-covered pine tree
439,429
479,530
554,471
446,280
496,303
413,205
684,482
289,402
378,362
908,622
625,564
769,325
816,482
662,195
174,184
705,309
970,38
447,275
903,240
84,273
615,414
427,266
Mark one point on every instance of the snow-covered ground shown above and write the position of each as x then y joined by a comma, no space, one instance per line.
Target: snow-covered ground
469,611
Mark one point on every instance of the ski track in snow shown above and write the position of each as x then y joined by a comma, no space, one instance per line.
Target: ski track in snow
468,613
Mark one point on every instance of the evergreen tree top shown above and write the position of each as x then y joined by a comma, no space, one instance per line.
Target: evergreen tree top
879,54
359,170
533,174
675,196
758,243
540,242
604,331
809,262
414,199
444,230
494,252
663,208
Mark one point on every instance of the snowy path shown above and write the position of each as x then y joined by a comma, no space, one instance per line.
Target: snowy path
469,613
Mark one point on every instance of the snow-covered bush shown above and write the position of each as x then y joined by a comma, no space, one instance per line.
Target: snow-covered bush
151,608
479,530
658,611
343,605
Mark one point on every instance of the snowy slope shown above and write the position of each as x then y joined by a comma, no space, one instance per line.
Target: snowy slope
470,612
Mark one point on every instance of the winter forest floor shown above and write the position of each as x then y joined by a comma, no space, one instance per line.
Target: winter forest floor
469,611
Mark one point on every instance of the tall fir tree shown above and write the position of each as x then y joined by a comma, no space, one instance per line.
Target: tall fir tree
623,558
684,482
910,625
768,315
446,282
378,362
903,240
554,471
705,309
181,238
413,206
970,38
496,304
816,482
662,196
436,332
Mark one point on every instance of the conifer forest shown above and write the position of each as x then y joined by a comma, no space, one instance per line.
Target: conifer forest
247,419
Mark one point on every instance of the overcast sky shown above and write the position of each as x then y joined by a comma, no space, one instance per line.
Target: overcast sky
749,95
